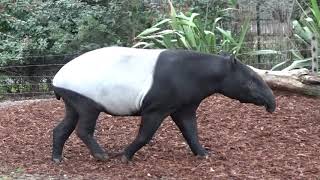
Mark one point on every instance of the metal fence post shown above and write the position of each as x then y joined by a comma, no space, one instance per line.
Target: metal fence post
314,53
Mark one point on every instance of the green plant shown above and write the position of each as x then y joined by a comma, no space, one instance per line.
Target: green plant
304,28
234,43
36,32
52,27
308,24
187,32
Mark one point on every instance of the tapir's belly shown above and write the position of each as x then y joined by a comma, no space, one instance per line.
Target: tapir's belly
116,78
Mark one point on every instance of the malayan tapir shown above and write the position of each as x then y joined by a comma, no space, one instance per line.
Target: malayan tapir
150,83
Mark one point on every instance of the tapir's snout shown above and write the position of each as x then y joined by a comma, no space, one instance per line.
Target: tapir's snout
271,108
261,98
264,98
270,102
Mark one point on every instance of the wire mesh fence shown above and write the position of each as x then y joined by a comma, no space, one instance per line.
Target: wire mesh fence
16,85
21,81
270,29
35,80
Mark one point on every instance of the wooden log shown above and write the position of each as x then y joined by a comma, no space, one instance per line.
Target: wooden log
298,81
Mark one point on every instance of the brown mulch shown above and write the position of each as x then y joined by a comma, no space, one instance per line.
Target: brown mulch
245,142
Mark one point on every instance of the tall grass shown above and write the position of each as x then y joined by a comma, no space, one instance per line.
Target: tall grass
181,31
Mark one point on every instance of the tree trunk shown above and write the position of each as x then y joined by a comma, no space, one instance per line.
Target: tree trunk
297,81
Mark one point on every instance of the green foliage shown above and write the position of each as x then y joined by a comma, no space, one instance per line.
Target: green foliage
304,28
188,32
183,32
233,43
33,27
54,31
308,24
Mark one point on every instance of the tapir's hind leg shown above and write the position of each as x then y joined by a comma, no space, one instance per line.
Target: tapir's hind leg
62,131
185,119
85,131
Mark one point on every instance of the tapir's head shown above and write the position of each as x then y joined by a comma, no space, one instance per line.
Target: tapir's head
245,85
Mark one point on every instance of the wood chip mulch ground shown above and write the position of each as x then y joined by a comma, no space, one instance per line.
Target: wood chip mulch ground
245,142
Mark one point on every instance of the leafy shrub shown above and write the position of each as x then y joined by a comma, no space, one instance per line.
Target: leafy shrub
188,32
39,28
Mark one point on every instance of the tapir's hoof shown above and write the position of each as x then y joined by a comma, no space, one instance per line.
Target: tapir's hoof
101,156
57,160
203,155
206,156
125,159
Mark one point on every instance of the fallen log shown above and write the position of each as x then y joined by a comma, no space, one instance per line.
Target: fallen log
298,81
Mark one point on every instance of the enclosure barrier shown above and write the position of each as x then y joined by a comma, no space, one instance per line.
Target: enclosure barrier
35,80
270,28
314,52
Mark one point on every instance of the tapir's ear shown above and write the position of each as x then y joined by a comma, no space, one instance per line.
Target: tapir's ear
233,59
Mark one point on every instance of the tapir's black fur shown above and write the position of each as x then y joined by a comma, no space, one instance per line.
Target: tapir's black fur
182,79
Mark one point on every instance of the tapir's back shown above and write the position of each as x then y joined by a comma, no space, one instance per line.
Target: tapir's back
117,78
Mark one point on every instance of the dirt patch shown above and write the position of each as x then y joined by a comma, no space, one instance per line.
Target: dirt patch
7,104
245,142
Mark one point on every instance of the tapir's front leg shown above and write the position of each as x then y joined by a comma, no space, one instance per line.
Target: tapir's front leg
185,119
150,122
